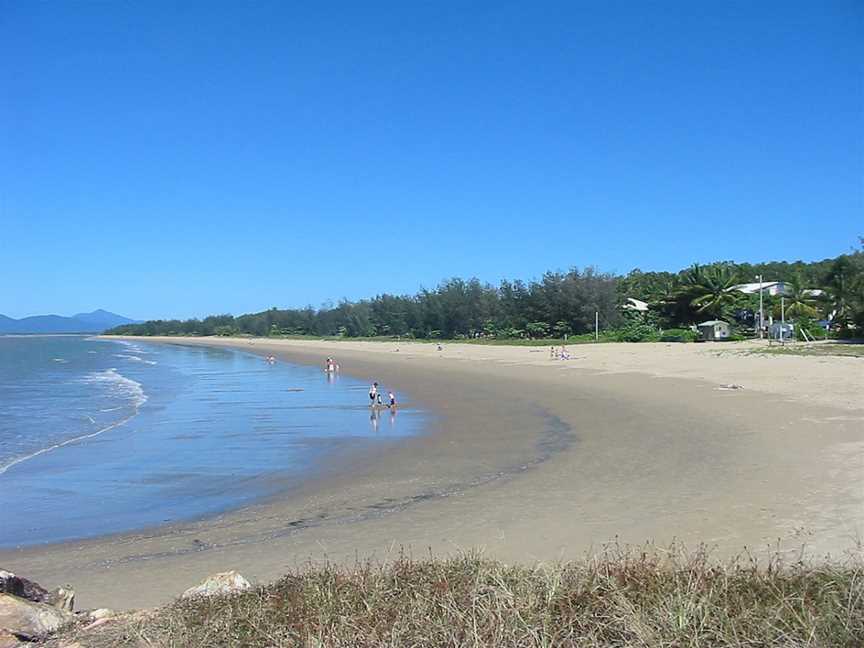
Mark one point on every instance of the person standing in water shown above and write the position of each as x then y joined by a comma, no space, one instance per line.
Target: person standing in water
373,394
392,398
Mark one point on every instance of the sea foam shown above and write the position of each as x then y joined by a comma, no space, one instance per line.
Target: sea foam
117,384
127,356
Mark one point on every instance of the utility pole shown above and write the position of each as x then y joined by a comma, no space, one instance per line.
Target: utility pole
761,334
782,317
596,326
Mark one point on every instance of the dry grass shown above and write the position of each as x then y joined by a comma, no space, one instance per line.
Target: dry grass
843,349
623,597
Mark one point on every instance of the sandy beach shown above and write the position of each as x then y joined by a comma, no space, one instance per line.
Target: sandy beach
532,459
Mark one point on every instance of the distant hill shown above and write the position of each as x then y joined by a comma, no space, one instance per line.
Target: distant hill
95,322
103,319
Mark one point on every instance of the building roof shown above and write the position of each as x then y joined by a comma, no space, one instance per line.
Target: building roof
750,288
636,304
713,323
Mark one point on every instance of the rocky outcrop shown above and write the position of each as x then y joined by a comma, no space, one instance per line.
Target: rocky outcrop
63,598
21,587
101,613
29,612
30,619
223,583
9,640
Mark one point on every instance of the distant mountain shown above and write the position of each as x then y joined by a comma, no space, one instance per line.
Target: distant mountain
95,322
103,319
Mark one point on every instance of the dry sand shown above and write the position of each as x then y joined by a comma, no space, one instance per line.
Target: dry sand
532,459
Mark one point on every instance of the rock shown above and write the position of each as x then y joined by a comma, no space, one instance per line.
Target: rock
101,613
28,618
223,583
8,640
63,598
21,587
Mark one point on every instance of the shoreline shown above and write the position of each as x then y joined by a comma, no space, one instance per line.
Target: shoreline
531,460
277,484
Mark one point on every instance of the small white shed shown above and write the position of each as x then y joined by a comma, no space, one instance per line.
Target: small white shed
714,330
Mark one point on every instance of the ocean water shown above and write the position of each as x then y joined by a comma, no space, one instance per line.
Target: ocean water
102,436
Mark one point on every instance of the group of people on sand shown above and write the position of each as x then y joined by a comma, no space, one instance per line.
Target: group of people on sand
376,400
556,354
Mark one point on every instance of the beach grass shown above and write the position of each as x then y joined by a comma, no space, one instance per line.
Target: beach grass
622,597
842,349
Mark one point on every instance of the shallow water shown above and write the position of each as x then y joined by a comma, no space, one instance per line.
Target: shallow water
102,436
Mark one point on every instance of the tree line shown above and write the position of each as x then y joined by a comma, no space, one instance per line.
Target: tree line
560,304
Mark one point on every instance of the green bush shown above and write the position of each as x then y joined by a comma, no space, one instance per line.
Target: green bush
811,327
678,335
636,332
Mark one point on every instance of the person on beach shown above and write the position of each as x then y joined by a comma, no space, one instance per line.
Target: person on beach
392,398
373,394
553,353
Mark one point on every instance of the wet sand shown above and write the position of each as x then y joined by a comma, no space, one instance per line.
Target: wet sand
531,459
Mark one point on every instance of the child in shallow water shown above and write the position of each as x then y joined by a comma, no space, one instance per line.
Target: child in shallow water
392,398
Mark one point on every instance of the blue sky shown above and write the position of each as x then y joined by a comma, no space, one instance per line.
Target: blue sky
164,159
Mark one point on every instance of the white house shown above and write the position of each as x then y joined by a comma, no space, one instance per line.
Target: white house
767,287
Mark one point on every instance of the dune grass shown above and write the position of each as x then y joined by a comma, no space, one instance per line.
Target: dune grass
843,349
624,597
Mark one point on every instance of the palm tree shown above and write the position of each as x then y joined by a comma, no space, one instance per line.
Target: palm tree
665,297
842,288
800,301
710,289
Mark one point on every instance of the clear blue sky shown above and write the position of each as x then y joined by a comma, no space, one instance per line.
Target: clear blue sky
164,159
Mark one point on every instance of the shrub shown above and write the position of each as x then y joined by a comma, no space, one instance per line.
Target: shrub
678,335
636,332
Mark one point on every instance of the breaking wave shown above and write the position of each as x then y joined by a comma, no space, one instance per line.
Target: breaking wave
117,384
127,356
